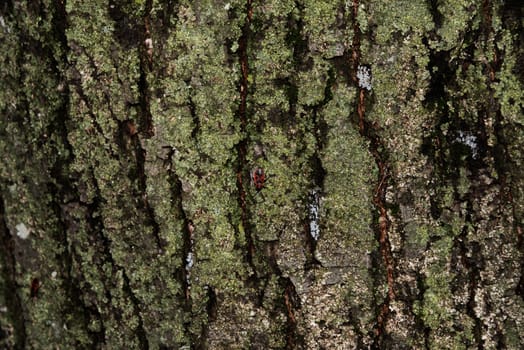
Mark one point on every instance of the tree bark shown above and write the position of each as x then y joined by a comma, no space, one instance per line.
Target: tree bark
388,143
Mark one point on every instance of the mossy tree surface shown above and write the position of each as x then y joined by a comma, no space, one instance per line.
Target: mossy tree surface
391,215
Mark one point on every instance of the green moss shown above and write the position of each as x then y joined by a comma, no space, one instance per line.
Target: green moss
313,83
398,17
508,91
459,17
322,26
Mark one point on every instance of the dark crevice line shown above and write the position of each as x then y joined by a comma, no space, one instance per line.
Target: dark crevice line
195,132
68,216
12,297
291,302
470,257
319,130
65,193
97,226
188,227
77,83
492,109
419,321
290,298
128,132
94,232
376,148
503,162
242,145
140,330
472,260
148,40
140,154
65,201
94,221
295,39
147,127
211,306
183,272
511,12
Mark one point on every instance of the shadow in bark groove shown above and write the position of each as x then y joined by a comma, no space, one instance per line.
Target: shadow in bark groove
12,298
182,273
371,132
460,151
242,145
96,225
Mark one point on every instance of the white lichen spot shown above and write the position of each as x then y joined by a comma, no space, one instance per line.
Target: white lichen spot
468,139
149,48
364,77
3,25
314,214
189,261
148,43
22,231
54,274
227,6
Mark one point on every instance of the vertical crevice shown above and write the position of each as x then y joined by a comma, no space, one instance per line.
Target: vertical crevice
242,145
141,333
140,155
290,298
519,289
66,202
291,302
361,77
183,273
467,260
147,127
463,148
473,262
130,143
201,342
69,215
96,227
12,297
319,130
195,132
511,12
426,331
66,198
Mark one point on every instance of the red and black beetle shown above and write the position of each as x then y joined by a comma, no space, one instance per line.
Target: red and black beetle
259,178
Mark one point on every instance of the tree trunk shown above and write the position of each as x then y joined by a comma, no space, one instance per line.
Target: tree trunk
262,174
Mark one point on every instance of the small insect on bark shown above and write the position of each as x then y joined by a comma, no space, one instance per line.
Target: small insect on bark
259,178
35,286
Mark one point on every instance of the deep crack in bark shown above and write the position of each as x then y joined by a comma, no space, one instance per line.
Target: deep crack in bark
370,132
97,226
242,145
12,298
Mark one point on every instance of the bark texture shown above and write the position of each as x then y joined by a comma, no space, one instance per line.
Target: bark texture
391,134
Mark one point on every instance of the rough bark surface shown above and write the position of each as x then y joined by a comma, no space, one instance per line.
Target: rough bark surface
391,135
